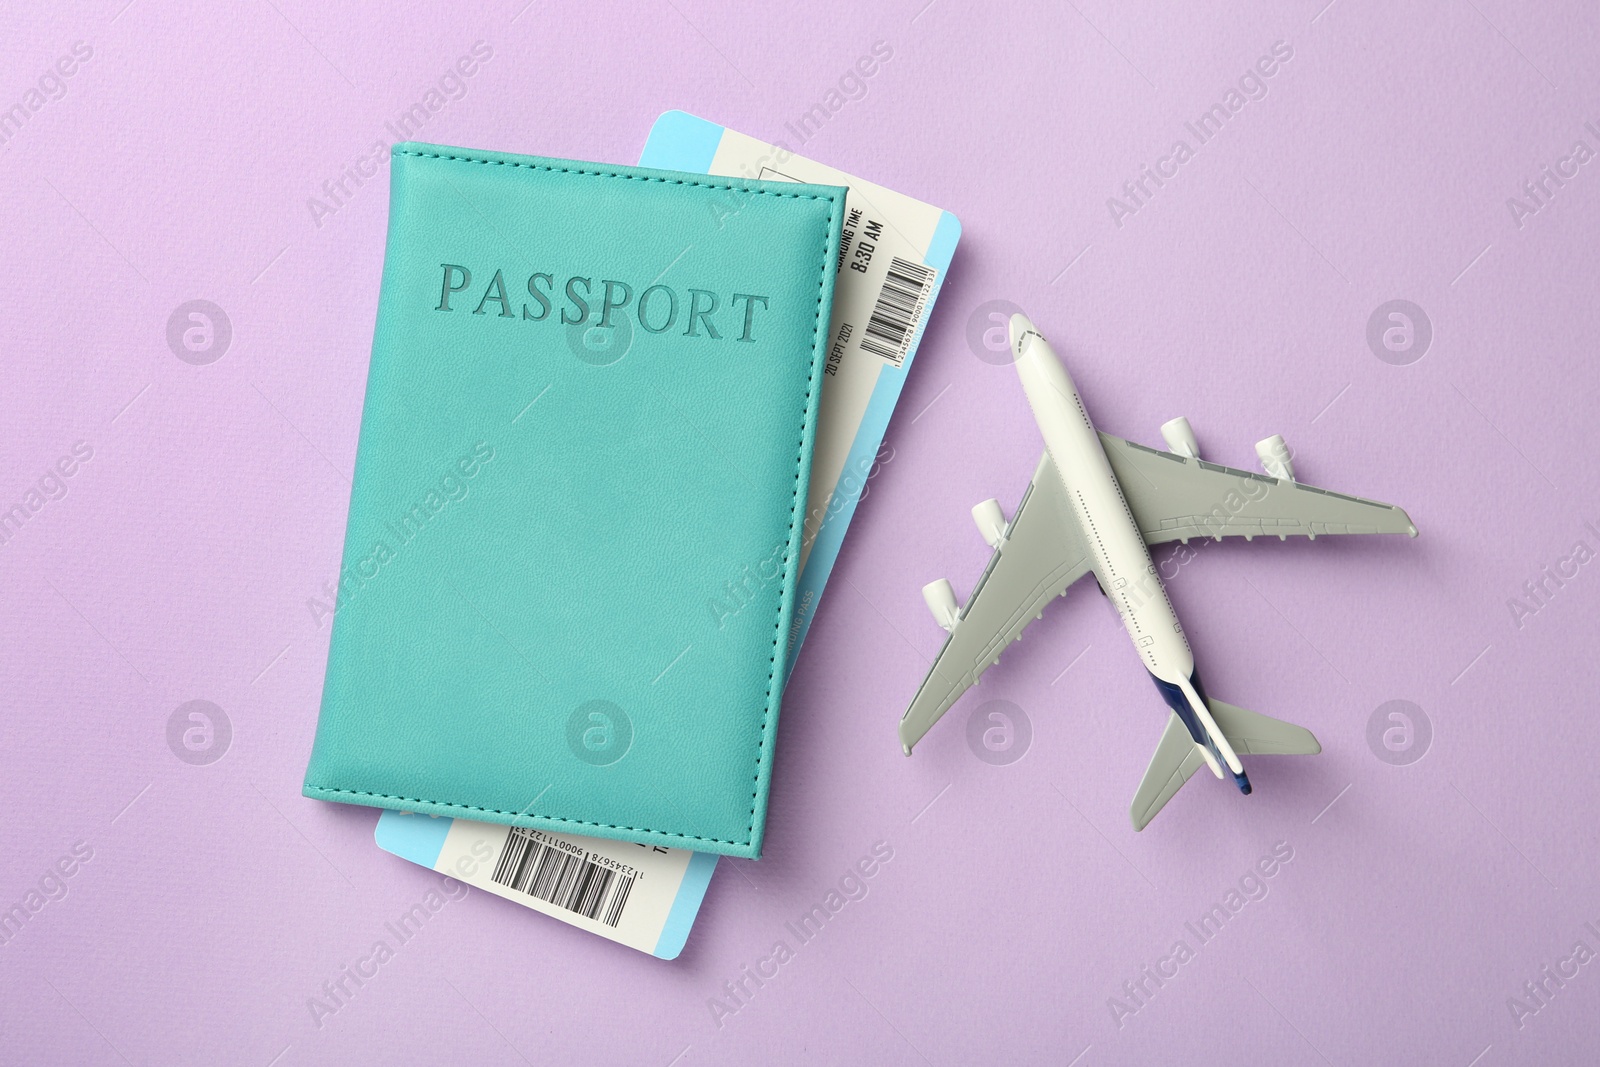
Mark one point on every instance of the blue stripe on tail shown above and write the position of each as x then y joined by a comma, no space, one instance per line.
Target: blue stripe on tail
1180,707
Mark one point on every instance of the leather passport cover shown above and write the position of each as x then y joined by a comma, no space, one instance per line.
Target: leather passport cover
577,510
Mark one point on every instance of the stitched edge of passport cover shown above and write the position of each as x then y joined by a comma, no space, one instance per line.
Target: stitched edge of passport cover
763,760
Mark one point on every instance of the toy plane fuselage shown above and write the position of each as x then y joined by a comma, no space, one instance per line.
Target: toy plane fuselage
1120,558
1078,518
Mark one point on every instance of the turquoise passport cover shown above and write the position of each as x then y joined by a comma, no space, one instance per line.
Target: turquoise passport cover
587,433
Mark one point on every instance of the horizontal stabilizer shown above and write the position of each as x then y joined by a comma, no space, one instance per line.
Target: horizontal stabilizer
1255,734
1177,756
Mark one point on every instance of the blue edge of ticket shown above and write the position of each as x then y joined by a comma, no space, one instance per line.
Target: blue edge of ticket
894,254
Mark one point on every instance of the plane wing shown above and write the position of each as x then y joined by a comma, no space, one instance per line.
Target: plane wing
1175,498
1043,553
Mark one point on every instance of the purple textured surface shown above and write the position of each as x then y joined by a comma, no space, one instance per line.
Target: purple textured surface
182,561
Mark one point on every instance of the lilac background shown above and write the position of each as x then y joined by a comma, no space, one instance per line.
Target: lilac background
178,165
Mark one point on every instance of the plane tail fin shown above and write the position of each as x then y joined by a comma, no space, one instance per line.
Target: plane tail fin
1177,756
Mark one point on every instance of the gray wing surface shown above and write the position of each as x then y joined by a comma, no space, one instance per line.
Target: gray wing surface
1176,759
1043,553
1175,498
1254,734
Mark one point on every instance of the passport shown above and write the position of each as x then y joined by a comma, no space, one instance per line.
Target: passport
591,403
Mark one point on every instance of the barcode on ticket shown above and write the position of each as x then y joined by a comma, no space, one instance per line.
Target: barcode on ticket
899,307
567,880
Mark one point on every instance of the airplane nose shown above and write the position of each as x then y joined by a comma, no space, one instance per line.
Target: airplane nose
1020,328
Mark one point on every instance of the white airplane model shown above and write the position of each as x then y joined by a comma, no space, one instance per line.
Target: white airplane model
1096,504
